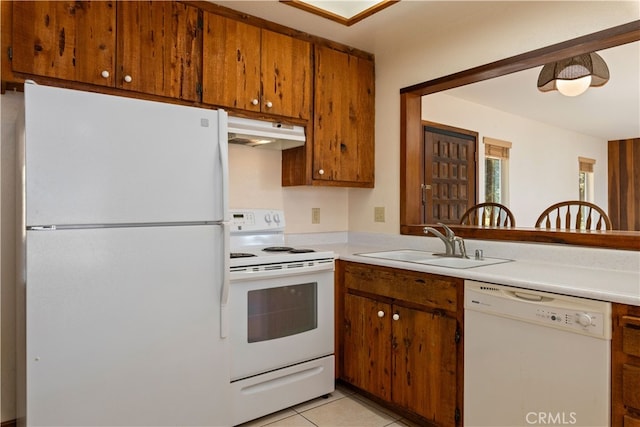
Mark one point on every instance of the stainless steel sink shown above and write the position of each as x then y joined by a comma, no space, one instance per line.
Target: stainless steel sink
429,258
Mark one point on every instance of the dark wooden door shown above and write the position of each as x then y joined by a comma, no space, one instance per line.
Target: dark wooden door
424,364
449,186
367,345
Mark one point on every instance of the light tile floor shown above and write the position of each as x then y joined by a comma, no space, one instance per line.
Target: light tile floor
343,408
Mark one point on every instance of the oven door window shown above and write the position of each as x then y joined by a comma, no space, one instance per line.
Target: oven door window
282,311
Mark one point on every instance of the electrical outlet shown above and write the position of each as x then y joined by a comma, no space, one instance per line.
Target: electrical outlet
315,215
378,214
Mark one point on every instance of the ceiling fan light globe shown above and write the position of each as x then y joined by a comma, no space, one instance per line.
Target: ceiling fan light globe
573,87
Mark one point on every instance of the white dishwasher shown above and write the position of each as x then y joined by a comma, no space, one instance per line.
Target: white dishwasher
535,358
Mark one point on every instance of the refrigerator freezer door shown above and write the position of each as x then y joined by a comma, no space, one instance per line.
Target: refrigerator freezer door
102,159
124,327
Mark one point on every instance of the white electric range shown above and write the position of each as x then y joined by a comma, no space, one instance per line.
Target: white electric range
281,306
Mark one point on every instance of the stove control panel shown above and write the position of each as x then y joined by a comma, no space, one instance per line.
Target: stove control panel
256,220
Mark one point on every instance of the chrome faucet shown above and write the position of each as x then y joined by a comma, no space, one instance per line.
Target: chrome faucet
448,240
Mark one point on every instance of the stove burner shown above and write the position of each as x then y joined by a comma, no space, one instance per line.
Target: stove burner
278,249
241,255
300,251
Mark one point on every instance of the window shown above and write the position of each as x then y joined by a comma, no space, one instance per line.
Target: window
496,170
585,186
585,179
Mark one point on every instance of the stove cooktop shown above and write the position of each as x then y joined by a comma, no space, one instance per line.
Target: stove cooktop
280,249
257,238
258,256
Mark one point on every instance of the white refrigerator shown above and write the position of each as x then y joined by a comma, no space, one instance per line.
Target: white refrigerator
125,262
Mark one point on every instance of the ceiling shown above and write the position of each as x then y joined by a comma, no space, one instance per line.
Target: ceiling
609,112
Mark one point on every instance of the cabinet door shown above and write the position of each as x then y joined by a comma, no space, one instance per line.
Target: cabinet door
231,52
69,40
159,49
424,364
367,342
286,75
343,144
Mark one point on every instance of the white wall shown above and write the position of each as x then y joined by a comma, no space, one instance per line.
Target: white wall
506,29
255,182
543,161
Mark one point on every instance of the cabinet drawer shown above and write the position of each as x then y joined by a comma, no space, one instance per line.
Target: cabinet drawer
631,386
419,288
630,421
631,335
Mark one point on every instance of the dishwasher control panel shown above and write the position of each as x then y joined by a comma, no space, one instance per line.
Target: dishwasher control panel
580,315
572,319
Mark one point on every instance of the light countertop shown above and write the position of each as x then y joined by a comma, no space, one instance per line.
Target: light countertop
607,280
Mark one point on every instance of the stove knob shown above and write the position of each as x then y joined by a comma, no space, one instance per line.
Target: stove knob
267,218
276,218
583,319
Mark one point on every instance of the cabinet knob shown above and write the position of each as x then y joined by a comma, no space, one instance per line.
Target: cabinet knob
269,104
127,79
321,171
105,74
254,101
381,313
396,316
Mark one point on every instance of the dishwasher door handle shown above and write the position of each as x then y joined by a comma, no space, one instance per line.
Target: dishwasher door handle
528,297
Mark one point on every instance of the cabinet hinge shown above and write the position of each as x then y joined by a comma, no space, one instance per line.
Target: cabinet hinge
457,415
457,336
10,53
200,22
199,89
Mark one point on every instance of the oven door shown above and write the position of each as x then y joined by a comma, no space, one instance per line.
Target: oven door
280,320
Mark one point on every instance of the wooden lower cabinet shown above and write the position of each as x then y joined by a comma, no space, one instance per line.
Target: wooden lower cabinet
366,345
401,340
625,366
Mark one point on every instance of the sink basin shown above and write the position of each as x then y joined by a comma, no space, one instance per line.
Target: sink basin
401,255
429,258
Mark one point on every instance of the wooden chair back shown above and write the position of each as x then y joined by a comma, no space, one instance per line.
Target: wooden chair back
488,214
574,215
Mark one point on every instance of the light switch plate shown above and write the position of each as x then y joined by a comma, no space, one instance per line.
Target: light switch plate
378,214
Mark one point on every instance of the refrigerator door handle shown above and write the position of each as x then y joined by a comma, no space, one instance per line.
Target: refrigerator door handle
223,145
226,272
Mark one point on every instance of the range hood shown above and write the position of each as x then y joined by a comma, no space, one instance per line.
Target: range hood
261,133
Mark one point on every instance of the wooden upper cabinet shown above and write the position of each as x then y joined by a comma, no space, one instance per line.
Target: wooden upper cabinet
159,49
68,40
231,52
158,44
254,69
286,75
343,142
